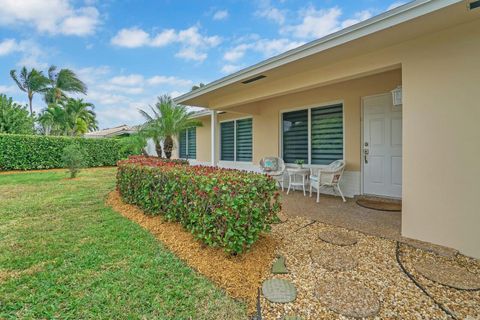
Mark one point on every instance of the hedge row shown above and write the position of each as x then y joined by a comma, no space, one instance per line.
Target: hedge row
223,208
26,152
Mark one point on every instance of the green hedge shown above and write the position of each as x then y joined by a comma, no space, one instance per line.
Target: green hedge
222,208
27,152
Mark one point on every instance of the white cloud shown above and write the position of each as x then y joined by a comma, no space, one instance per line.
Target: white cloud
273,14
9,89
8,46
230,68
396,4
266,47
173,81
220,15
50,16
318,23
131,38
130,80
193,45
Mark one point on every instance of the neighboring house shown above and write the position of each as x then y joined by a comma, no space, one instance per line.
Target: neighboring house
332,99
120,131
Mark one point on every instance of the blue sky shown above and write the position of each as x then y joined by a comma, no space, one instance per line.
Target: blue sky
128,52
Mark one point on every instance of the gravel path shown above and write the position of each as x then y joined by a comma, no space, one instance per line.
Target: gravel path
376,269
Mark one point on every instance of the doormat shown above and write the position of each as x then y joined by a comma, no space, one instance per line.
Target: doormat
380,204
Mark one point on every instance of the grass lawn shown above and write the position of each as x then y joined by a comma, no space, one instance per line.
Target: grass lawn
65,255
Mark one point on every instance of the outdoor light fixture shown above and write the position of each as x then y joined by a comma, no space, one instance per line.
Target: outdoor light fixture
254,79
397,96
474,5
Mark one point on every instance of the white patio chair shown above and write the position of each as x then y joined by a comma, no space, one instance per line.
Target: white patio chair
327,177
275,168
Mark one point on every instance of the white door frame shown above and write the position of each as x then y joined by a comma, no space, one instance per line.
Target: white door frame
362,143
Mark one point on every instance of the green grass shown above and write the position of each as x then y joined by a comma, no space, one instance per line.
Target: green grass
65,255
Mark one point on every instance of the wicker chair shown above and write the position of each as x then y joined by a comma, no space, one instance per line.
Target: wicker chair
275,168
327,177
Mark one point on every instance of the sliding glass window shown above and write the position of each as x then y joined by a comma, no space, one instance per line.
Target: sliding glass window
236,140
187,143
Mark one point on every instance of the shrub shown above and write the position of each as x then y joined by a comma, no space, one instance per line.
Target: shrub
73,158
221,207
27,152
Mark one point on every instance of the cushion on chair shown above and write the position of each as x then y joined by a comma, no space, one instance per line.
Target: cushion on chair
270,164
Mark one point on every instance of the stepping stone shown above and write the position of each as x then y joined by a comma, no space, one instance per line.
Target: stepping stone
337,237
279,290
279,267
448,274
334,260
348,298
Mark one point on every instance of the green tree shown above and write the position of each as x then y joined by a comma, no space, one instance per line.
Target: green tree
198,86
14,118
167,120
134,144
62,82
73,158
31,82
68,117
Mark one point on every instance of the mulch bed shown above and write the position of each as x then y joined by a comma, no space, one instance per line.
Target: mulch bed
240,276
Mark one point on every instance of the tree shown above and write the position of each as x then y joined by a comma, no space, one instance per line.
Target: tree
134,144
14,118
68,117
31,82
167,120
62,82
200,85
73,158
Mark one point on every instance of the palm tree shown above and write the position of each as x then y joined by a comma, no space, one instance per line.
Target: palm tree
168,119
62,82
53,120
80,116
31,82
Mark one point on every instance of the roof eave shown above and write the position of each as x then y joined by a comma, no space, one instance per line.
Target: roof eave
383,21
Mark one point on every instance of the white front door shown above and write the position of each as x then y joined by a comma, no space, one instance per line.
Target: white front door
382,146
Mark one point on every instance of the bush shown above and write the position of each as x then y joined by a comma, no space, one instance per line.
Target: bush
73,158
221,207
27,152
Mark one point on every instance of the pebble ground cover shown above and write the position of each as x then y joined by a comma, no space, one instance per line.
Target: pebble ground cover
64,254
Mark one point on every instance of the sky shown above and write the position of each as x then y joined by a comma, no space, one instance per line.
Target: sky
129,52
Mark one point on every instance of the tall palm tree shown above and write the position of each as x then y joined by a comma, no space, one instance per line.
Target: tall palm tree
62,82
31,82
167,120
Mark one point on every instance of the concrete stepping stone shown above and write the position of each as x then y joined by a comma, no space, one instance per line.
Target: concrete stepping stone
337,237
334,260
348,298
278,266
448,274
279,290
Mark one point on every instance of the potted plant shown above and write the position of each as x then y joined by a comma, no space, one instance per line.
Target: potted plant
299,163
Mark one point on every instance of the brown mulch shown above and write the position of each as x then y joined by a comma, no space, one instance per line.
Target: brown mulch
240,276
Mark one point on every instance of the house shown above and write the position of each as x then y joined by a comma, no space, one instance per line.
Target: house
119,131
395,96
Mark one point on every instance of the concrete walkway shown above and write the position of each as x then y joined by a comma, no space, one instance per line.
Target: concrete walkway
332,210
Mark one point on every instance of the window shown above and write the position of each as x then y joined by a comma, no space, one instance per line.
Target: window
188,143
313,135
236,140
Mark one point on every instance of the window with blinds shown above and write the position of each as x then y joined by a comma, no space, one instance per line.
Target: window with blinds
187,144
325,125
326,134
295,136
236,140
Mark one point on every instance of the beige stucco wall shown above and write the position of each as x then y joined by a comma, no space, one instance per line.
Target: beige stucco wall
441,124
441,119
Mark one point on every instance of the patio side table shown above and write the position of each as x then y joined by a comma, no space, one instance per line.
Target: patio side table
297,172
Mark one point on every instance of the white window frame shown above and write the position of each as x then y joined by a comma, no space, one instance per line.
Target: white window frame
309,131
234,141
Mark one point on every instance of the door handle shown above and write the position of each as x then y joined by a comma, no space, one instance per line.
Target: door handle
365,154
